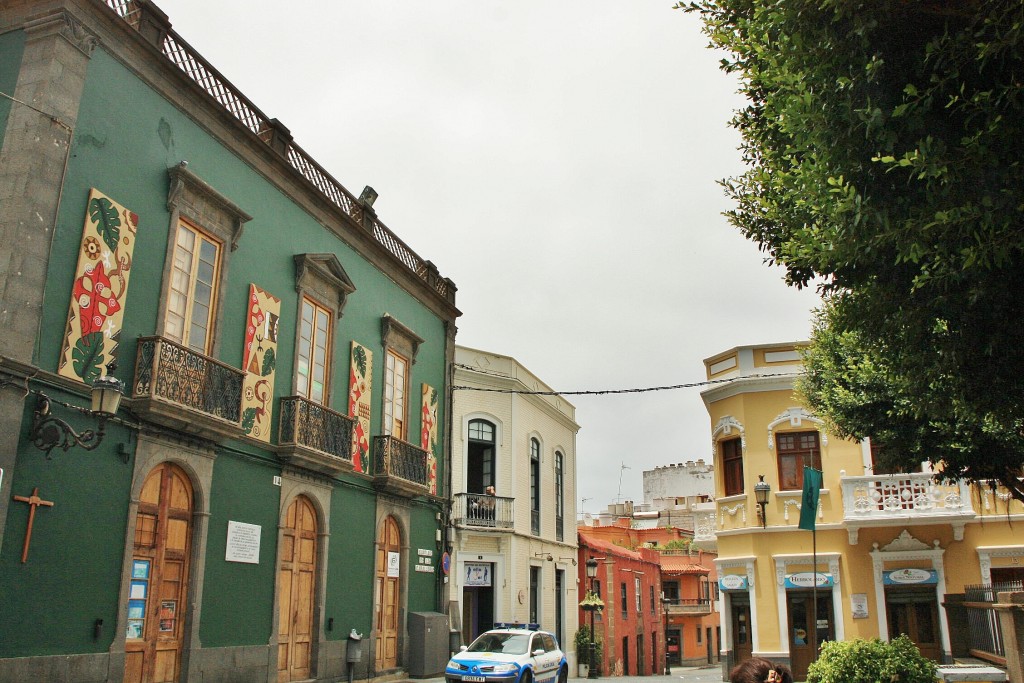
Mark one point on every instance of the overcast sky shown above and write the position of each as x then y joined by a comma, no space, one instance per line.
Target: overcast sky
558,160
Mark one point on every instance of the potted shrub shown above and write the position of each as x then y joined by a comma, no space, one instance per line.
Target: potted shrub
583,652
585,640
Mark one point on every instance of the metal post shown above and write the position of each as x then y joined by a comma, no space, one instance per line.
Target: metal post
592,672
664,608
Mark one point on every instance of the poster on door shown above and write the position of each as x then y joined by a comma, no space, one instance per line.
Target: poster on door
393,565
168,608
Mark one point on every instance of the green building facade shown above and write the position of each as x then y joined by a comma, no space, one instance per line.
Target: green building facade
276,474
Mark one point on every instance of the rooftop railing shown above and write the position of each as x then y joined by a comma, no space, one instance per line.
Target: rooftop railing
150,22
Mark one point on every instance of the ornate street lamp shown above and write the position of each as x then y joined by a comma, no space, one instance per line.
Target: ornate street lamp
592,574
49,432
762,490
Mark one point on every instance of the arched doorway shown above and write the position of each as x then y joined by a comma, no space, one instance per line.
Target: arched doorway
386,587
158,588
296,577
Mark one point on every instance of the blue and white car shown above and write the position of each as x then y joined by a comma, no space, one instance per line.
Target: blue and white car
509,655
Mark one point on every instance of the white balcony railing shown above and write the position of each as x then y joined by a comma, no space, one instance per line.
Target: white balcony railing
887,495
883,499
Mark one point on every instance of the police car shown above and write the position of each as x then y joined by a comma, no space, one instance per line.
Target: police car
509,655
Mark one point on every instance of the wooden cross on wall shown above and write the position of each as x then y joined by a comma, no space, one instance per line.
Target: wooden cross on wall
34,501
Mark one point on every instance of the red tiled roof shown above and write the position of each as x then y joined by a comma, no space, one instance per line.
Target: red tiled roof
681,564
610,548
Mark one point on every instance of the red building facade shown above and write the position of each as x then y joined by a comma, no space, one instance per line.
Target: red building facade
630,628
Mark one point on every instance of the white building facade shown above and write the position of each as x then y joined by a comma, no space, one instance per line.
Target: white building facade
514,553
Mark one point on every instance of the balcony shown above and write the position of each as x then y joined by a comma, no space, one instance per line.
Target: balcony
675,607
900,499
475,510
314,437
399,467
705,525
183,389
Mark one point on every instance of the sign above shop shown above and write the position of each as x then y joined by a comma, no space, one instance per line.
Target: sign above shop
808,580
732,582
909,576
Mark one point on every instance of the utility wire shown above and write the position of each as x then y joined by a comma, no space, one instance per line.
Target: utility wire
598,392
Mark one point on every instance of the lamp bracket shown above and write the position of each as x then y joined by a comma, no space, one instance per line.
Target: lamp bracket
49,432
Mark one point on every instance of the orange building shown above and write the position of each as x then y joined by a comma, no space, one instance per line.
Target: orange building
685,596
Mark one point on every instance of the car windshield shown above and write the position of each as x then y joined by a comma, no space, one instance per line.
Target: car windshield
506,643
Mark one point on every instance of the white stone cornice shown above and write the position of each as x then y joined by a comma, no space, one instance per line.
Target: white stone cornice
795,417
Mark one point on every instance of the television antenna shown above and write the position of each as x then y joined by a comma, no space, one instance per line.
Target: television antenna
618,497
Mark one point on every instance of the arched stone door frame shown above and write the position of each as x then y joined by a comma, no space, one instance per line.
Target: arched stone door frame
317,490
398,510
195,458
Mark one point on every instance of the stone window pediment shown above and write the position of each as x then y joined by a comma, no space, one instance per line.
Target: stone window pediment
322,277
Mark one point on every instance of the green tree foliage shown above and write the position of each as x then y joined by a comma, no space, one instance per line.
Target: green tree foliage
884,142
871,661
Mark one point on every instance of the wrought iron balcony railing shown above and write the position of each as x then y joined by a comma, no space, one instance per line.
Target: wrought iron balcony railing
182,388
479,510
399,467
314,436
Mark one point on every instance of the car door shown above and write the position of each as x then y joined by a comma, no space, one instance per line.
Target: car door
546,664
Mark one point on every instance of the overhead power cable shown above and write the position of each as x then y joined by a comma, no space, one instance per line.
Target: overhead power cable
599,392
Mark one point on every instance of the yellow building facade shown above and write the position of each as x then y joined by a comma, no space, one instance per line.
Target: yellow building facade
891,554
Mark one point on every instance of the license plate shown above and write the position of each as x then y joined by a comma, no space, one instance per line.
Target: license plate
473,679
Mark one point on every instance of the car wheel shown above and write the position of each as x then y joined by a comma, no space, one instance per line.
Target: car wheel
563,675
527,677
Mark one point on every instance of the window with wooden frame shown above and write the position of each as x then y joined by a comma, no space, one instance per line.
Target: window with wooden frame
732,466
323,287
192,294
396,388
205,227
795,450
400,347
314,358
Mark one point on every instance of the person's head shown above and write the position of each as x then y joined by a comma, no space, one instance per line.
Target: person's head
760,670
489,490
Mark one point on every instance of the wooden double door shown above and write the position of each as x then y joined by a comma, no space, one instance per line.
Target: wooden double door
296,580
810,625
158,585
915,613
387,589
